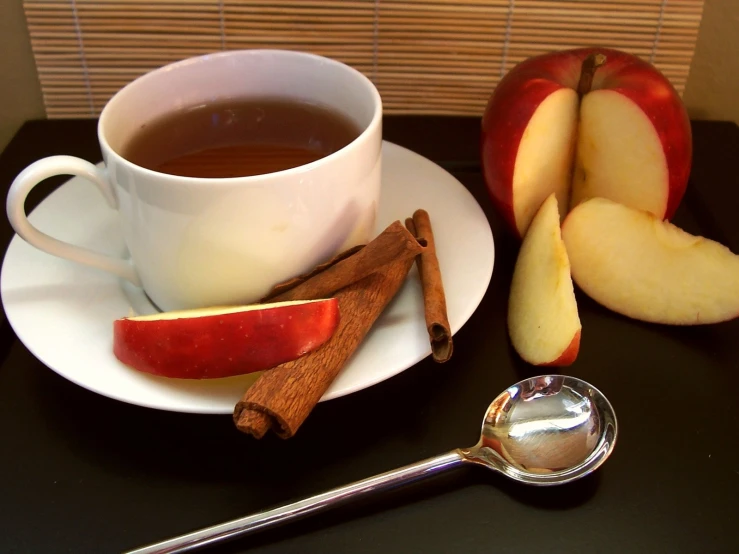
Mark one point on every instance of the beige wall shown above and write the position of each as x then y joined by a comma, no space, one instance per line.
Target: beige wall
20,96
712,91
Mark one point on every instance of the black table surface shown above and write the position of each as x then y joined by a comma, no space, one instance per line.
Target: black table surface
82,473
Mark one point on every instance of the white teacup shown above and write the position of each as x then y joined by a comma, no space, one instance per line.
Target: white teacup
197,242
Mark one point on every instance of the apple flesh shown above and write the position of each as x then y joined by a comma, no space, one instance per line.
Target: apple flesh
543,320
637,265
583,123
211,343
619,155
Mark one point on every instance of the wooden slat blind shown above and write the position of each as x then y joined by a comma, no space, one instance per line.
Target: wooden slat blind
426,56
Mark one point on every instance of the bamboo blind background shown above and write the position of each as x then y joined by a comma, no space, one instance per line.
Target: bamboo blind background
425,56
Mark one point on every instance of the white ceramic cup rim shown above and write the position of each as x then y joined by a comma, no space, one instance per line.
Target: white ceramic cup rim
250,179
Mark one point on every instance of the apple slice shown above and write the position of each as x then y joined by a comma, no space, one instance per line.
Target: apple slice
543,321
211,343
635,264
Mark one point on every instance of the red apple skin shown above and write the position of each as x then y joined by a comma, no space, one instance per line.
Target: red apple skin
215,346
527,85
569,355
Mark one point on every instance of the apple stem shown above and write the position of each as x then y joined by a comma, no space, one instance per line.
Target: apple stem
589,65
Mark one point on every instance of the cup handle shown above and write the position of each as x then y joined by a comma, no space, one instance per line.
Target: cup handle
64,165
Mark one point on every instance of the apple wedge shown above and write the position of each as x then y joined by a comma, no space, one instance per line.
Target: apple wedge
543,321
211,343
645,268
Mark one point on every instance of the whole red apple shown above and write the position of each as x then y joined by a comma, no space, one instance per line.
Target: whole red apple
210,343
584,123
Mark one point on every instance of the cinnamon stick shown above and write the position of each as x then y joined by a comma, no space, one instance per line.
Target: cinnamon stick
434,299
283,397
281,288
394,244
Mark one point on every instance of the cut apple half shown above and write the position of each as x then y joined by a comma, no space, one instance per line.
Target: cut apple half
637,265
543,321
585,123
211,343
604,146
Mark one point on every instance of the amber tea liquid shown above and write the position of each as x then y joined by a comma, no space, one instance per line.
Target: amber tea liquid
239,137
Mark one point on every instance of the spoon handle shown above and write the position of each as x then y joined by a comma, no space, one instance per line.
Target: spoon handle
302,508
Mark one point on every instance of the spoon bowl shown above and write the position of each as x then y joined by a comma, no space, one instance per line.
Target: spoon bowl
546,430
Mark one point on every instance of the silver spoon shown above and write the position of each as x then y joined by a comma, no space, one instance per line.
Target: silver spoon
545,430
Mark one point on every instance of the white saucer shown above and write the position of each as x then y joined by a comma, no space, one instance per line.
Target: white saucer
64,312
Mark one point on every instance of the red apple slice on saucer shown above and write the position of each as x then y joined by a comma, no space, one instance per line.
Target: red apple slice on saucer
642,267
222,342
543,321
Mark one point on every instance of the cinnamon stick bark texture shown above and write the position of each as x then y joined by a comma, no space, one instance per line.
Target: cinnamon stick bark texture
434,299
394,244
283,397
